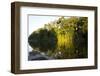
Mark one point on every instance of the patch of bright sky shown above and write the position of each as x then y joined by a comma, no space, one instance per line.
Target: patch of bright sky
38,21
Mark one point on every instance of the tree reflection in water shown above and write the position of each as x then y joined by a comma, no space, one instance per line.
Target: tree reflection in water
61,39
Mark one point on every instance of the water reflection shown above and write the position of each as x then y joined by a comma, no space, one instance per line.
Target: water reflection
60,39
52,45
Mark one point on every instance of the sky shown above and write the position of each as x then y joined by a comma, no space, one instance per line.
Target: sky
36,22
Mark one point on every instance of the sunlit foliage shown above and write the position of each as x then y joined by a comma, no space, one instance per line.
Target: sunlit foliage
62,38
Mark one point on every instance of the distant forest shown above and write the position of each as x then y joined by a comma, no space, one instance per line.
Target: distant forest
64,38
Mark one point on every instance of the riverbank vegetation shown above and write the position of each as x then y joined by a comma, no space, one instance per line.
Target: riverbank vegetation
64,38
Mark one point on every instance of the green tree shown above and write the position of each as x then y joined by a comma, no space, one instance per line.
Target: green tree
62,38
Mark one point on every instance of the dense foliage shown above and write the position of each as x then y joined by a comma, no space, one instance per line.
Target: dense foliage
62,38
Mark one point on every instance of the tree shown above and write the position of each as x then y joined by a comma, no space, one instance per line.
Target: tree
62,38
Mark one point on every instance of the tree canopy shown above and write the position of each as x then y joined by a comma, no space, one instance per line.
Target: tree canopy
62,38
